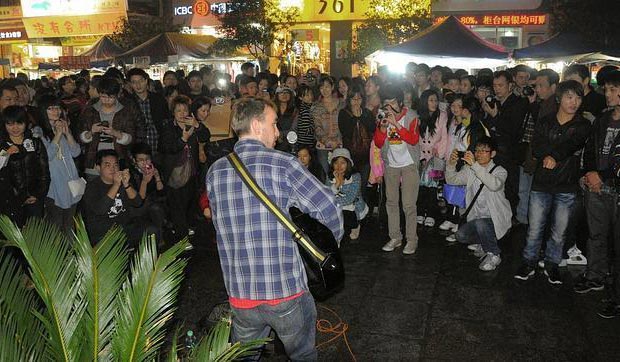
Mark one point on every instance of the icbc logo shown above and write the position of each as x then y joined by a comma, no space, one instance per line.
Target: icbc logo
201,7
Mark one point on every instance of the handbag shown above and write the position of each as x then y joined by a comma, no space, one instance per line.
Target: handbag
182,173
455,194
77,186
324,267
432,172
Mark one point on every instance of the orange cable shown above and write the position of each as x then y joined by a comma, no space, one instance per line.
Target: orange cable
339,330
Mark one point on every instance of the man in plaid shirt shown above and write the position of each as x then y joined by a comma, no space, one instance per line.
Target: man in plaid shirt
263,272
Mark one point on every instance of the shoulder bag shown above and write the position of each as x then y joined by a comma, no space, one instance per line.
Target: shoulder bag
324,267
473,201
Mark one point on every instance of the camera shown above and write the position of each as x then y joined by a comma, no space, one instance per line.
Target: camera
188,127
219,100
382,116
104,124
461,154
309,76
491,100
528,91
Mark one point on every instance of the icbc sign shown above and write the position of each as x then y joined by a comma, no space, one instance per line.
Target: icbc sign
200,7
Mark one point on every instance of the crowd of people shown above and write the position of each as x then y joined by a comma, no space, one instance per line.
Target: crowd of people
473,155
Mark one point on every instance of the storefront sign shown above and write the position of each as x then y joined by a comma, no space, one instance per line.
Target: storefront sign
74,62
333,10
63,26
451,6
36,8
8,36
10,12
500,20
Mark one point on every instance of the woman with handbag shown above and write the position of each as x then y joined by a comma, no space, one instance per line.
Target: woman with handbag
66,186
26,169
179,142
433,143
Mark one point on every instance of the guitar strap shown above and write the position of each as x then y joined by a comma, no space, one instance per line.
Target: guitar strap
300,237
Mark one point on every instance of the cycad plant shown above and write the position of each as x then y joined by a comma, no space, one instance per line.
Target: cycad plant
91,303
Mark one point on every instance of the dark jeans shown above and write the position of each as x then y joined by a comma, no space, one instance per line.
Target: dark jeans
555,210
479,231
62,218
602,212
428,205
294,321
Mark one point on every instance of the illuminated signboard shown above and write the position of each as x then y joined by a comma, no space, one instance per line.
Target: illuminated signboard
500,20
201,8
333,10
34,8
452,6
63,26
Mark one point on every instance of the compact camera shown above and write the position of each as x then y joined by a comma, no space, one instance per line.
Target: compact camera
528,91
219,100
491,100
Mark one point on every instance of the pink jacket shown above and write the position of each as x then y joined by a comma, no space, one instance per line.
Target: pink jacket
436,144
376,163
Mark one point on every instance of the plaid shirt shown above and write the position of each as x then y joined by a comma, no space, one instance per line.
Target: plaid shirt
150,129
258,256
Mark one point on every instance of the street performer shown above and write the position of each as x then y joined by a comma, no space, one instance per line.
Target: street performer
263,271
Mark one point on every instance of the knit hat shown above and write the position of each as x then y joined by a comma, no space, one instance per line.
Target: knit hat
285,89
339,152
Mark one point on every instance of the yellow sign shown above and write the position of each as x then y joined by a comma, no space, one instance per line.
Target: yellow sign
62,26
35,8
333,10
10,12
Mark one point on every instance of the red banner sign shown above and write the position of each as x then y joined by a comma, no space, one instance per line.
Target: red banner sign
74,62
500,20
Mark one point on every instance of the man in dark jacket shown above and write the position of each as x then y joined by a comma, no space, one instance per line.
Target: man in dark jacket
602,185
506,117
153,109
593,103
558,140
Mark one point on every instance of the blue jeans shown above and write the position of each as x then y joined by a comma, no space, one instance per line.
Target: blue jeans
294,321
479,231
546,207
525,185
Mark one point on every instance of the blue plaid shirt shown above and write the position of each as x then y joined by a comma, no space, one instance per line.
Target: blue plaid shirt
258,255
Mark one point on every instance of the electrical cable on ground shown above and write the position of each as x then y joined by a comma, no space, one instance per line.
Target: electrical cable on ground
338,330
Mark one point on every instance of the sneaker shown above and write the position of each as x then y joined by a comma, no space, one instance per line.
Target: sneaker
490,262
451,238
355,233
455,228
575,256
479,252
563,263
474,247
429,221
584,285
392,244
420,220
611,310
553,274
525,272
191,232
541,264
409,248
446,225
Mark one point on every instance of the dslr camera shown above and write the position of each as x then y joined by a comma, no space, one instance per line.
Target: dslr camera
491,100
528,91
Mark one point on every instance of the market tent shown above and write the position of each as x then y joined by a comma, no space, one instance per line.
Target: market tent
187,47
562,45
448,43
103,49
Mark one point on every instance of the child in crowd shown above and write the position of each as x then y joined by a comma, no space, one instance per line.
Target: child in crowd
345,183
304,155
490,215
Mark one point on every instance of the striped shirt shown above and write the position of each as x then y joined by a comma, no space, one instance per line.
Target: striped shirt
258,256
305,126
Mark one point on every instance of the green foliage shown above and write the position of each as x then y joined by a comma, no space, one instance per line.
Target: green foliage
252,25
90,303
134,32
389,22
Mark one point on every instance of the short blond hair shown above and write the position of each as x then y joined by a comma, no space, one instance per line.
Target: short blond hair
245,110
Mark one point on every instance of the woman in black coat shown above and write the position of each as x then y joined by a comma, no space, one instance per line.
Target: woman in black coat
179,145
25,177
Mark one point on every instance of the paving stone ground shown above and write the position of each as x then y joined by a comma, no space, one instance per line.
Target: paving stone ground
434,305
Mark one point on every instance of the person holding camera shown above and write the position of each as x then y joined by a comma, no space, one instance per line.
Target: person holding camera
109,198
397,137
178,144
506,113
106,125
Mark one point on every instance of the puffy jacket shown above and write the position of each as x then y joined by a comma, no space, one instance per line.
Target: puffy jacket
564,143
593,154
27,171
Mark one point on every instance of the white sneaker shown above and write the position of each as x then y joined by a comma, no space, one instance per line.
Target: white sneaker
191,232
455,228
490,262
392,244
429,221
446,225
410,248
451,238
541,264
420,220
575,257
474,247
355,233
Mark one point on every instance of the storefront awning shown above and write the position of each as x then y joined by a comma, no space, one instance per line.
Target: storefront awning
187,47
